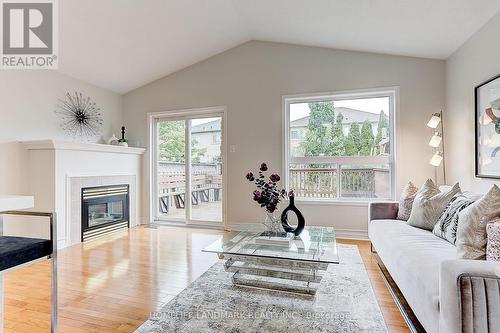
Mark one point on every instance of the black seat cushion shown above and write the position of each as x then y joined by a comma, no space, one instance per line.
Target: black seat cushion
15,251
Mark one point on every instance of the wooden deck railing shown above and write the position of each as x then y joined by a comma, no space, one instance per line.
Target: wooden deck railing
320,183
314,183
358,183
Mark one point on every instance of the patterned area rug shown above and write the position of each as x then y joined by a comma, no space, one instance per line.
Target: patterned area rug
345,302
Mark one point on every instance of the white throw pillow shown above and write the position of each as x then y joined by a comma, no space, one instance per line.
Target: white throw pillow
429,204
471,233
406,201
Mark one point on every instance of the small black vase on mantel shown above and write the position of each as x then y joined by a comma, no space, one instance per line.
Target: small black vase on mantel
300,218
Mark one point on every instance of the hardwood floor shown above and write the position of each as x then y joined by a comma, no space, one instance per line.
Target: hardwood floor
112,284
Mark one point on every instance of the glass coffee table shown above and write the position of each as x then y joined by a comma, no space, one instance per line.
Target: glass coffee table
295,267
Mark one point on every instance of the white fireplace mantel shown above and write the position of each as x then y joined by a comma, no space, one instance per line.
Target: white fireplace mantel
58,170
66,145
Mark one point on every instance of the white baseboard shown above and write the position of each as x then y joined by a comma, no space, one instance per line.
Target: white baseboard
61,243
339,233
183,225
351,234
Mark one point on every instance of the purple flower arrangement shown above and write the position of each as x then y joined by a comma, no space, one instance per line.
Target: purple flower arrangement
267,194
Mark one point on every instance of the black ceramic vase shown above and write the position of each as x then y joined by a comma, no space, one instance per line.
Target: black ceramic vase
300,218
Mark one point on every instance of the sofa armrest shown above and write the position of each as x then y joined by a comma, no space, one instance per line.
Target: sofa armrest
469,296
387,210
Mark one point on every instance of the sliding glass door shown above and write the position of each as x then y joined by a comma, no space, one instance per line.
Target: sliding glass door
188,167
171,169
206,169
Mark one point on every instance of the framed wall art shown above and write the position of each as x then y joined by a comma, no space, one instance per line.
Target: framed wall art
487,118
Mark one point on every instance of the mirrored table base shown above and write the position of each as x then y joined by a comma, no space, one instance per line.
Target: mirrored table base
281,274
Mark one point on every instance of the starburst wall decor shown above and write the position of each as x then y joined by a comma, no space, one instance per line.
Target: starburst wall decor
80,116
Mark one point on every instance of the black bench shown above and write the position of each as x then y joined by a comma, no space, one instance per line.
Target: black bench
15,251
18,251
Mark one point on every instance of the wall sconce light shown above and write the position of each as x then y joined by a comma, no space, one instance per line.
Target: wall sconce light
434,121
435,140
436,159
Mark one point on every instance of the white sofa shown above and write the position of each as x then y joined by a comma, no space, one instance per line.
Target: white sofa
446,294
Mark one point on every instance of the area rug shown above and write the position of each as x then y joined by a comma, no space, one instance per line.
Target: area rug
345,302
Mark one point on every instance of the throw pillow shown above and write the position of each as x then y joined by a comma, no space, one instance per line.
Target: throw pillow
406,201
471,233
429,204
446,226
493,243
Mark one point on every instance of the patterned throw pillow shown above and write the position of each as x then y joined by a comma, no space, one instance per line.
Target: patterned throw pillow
429,204
493,236
471,233
406,201
446,226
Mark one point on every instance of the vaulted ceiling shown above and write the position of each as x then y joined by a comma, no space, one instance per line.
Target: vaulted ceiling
123,44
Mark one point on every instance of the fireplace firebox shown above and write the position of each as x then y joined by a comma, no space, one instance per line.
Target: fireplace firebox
105,209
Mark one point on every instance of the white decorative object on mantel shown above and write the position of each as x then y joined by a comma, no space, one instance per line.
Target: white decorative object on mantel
57,167
113,141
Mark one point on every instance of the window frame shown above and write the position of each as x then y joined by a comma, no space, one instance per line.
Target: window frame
391,92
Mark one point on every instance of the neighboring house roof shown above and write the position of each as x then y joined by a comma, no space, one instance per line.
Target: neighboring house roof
211,126
350,116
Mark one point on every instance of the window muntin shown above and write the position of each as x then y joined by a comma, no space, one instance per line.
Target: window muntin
345,145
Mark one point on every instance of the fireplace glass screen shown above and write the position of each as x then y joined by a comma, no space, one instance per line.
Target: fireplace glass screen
105,213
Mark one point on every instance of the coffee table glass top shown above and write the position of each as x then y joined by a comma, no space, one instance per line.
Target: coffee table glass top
314,244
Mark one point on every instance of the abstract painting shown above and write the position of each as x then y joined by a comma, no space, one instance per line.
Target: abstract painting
487,97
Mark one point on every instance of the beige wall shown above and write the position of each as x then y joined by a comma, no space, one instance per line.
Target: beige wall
473,63
27,104
250,80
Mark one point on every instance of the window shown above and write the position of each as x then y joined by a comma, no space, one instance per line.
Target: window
340,146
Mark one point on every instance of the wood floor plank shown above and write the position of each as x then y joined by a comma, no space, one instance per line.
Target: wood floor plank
112,284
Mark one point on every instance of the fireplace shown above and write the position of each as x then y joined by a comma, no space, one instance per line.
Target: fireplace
105,209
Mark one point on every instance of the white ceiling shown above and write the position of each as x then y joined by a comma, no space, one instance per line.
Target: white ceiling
124,44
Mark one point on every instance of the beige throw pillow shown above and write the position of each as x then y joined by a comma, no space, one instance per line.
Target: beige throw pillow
406,201
471,233
429,204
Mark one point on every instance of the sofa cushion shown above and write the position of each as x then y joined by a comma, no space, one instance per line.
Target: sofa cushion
429,204
413,257
406,201
446,226
471,233
15,251
493,235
